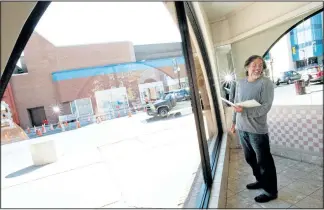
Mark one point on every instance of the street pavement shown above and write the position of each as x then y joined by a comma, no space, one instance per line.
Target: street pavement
286,95
125,162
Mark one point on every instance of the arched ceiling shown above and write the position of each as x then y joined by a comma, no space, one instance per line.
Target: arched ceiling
13,18
230,22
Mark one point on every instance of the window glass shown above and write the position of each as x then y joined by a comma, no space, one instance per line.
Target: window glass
206,101
98,94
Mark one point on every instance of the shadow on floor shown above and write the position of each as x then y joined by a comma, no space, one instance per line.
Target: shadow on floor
315,91
170,117
24,171
318,83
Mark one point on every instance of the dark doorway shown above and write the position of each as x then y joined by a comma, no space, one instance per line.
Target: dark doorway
66,108
312,60
37,115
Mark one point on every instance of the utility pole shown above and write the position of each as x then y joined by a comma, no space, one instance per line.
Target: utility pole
271,66
176,69
179,77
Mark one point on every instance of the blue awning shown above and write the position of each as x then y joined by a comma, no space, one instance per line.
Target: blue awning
114,68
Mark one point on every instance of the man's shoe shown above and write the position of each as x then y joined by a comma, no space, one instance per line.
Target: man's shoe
263,198
253,186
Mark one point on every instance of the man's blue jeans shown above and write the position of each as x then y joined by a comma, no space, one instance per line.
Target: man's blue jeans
257,154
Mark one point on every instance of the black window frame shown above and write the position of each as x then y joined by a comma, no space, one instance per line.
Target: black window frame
208,161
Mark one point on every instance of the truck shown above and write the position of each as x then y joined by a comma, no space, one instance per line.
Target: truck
163,106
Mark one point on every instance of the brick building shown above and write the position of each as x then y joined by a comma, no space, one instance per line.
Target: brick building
9,99
59,75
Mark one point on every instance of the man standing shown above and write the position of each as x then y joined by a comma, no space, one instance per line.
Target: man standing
252,127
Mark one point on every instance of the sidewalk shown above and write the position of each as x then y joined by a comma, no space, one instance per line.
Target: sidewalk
103,166
286,95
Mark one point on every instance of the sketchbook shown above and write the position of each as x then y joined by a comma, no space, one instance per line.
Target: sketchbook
246,104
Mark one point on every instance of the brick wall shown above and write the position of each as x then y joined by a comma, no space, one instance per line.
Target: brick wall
70,90
35,88
94,55
42,58
9,99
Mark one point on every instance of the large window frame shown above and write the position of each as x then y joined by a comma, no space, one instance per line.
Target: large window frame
185,14
208,162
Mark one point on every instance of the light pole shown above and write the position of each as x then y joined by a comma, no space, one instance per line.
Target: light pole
305,58
176,70
271,66
304,41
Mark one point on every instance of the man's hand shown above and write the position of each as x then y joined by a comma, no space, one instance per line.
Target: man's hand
233,128
238,109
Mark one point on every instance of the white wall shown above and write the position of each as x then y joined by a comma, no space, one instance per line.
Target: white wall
260,13
256,18
259,43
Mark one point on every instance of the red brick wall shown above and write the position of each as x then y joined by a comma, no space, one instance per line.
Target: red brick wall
94,55
42,58
9,99
169,71
36,88
70,90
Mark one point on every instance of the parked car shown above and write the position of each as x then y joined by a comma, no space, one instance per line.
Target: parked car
313,74
288,77
163,106
181,94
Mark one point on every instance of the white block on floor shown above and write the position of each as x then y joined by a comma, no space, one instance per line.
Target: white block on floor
43,152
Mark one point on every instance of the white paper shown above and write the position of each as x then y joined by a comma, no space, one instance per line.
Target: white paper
246,104
227,101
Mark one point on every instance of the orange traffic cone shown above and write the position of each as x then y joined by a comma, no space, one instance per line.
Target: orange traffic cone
39,132
43,128
78,124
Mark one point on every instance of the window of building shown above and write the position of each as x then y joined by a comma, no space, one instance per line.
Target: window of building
127,132
21,67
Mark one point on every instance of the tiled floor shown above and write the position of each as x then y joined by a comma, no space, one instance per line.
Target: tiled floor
300,184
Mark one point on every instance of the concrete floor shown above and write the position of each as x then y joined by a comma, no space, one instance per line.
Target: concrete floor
300,184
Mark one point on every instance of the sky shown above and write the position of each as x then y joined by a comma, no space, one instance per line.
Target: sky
78,23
